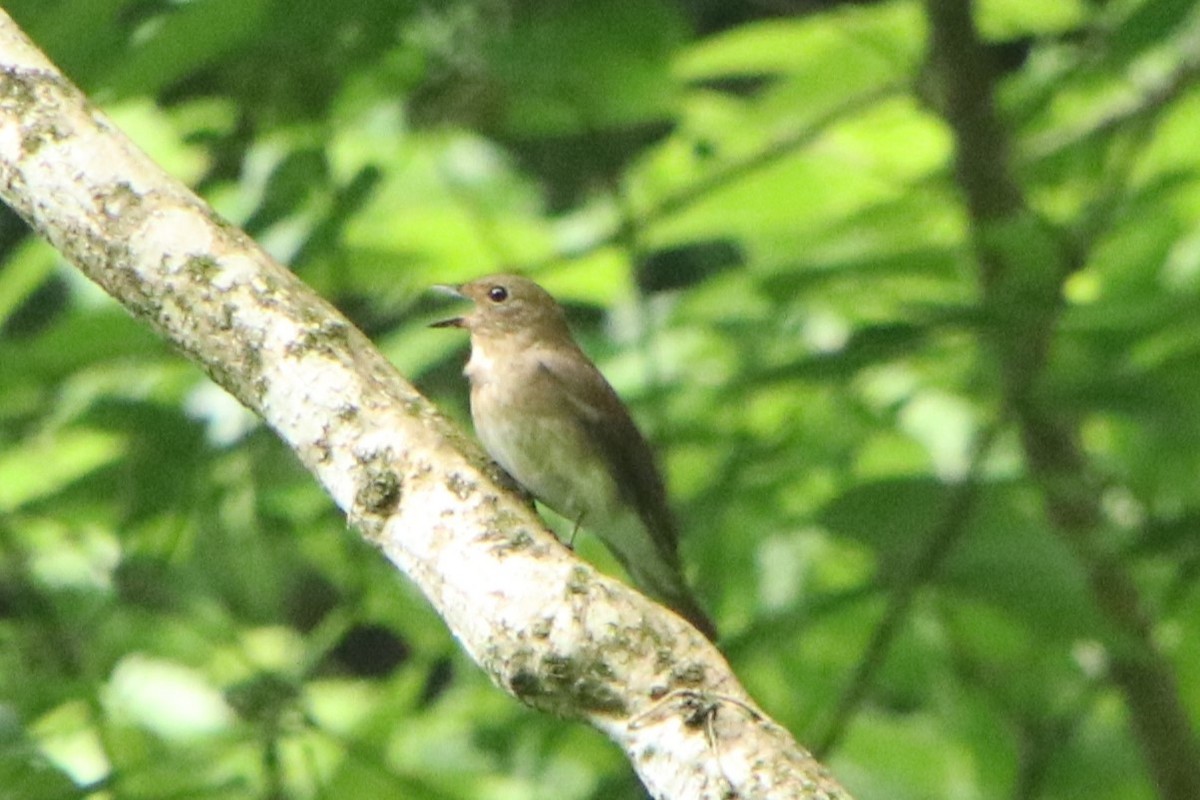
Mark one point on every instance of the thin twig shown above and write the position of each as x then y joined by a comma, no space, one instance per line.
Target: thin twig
952,526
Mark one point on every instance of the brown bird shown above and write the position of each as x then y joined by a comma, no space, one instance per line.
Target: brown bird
545,414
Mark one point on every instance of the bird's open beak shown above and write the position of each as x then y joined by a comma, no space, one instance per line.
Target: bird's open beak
455,291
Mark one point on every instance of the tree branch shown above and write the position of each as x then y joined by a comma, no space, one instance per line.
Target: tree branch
1023,265
545,626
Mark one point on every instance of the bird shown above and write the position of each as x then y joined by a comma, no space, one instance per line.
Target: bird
545,413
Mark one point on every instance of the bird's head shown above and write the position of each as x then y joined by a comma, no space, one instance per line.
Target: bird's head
508,305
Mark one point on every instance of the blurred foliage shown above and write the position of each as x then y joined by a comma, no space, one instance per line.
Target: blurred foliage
750,210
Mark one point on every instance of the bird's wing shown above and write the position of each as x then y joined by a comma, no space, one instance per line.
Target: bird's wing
607,423
620,443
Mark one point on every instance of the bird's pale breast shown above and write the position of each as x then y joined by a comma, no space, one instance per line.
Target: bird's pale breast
530,429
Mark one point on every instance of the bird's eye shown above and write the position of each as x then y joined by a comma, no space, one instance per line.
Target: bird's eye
497,294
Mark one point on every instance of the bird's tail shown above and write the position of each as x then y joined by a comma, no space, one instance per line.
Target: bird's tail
662,579
684,603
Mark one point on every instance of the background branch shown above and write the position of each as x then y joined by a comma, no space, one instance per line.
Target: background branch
954,523
1023,266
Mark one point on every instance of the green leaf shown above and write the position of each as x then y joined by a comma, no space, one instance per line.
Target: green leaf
1004,555
40,468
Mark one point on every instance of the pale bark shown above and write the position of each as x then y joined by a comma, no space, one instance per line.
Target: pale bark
544,625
